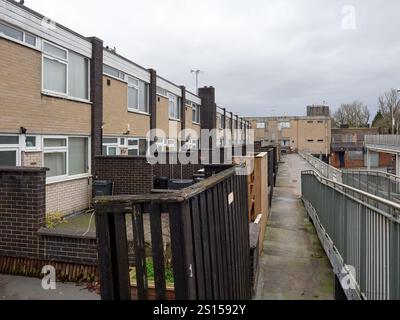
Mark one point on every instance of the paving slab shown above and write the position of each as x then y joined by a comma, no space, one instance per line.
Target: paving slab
293,265
22,288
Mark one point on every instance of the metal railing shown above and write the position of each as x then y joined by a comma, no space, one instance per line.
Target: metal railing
391,140
323,168
381,184
360,233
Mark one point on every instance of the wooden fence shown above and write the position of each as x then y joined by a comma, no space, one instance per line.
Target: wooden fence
209,240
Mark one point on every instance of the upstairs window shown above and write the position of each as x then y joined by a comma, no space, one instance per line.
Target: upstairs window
65,72
174,107
195,113
110,71
16,34
138,95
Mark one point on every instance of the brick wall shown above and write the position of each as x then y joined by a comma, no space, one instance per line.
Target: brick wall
64,247
68,196
32,159
175,171
22,207
130,174
22,226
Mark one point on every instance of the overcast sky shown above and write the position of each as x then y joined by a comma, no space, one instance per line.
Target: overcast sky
264,57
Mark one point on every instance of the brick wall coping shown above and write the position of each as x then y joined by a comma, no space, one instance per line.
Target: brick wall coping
65,234
22,169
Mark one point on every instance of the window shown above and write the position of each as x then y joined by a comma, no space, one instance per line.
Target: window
8,157
172,145
174,107
16,34
162,92
320,121
65,72
30,142
283,125
78,156
195,113
310,122
66,157
260,125
9,151
138,94
113,72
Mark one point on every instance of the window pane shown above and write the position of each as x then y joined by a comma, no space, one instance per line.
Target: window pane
133,98
11,32
30,142
143,101
54,51
112,151
49,143
143,147
133,81
77,156
78,76
30,39
9,140
112,72
104,151
132,142
133,152
8,158
110,140
56,162
55,76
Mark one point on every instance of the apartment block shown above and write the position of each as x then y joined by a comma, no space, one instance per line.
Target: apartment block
306,133
65,99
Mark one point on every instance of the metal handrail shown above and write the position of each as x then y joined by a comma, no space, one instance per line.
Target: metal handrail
322,167
360,234
337,185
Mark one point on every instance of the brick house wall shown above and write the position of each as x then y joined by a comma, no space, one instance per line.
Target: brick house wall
130,174
68,196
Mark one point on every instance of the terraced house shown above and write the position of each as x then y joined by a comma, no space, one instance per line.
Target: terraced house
65,98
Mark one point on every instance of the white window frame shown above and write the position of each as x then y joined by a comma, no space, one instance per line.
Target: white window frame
121,74
36,148
172,144
197,108
65,149
66,62
37,46
175,99
17,152
116,145
130,85
162,92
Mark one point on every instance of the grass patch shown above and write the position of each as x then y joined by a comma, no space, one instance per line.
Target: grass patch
169,274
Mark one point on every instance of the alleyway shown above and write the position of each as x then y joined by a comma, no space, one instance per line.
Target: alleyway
293,264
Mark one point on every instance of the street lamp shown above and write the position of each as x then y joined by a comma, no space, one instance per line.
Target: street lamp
196,72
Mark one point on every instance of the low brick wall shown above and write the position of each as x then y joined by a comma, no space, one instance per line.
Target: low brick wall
25,243
130,174
56,245
22,210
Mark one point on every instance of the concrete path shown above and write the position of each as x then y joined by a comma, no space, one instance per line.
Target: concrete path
21,288
293,265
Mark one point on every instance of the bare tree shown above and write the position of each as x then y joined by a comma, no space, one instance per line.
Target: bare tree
354,115
389,107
